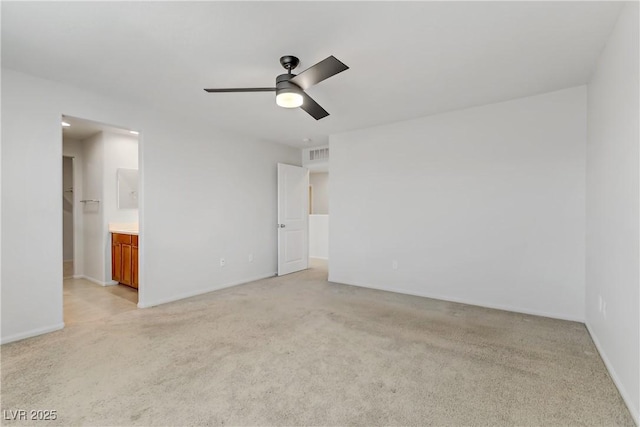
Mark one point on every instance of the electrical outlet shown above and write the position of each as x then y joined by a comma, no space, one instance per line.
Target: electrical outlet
250,257
222,262
394,264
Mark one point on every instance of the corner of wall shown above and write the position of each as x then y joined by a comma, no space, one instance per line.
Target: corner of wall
634,407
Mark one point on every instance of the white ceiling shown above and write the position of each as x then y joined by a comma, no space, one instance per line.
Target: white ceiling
406,59
81,129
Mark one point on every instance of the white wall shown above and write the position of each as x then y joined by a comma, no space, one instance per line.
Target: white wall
204,194
483,206
92,213
319,236
612,207
120,152
320,183
73,148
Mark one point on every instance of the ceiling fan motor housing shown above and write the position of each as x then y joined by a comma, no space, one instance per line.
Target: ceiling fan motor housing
284,85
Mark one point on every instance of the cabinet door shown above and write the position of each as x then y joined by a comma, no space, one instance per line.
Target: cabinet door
126,265
134,268
116,262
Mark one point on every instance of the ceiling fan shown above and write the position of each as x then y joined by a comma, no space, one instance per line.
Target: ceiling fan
290,87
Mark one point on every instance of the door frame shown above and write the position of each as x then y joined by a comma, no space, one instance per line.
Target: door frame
77,218
75,215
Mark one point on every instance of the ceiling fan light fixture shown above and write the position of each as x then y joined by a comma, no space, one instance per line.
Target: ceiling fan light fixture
288,98
290,88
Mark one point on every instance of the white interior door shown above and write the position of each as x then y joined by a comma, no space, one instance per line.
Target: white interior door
293,219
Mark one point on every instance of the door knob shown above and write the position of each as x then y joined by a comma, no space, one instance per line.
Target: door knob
281,225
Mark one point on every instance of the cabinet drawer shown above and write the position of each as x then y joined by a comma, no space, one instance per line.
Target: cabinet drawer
122,238
134,241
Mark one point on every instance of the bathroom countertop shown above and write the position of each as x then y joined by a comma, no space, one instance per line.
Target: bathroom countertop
124,228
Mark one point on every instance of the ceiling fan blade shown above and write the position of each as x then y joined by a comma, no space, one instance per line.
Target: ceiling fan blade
316,73
243,89
312,107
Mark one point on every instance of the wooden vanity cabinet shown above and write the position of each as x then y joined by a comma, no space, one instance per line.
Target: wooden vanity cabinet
124,259
134,261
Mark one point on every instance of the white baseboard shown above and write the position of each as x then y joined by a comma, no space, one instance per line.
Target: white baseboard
31,333
319,257
96,281
635,411
461,301
145,304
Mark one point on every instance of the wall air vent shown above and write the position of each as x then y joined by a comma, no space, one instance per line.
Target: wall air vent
319,154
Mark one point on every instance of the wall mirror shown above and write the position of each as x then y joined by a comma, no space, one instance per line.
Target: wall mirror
127,188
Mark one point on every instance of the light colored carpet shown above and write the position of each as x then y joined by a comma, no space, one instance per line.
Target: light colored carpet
297,350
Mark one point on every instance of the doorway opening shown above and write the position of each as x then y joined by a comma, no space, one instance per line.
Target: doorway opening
100,199
319,217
